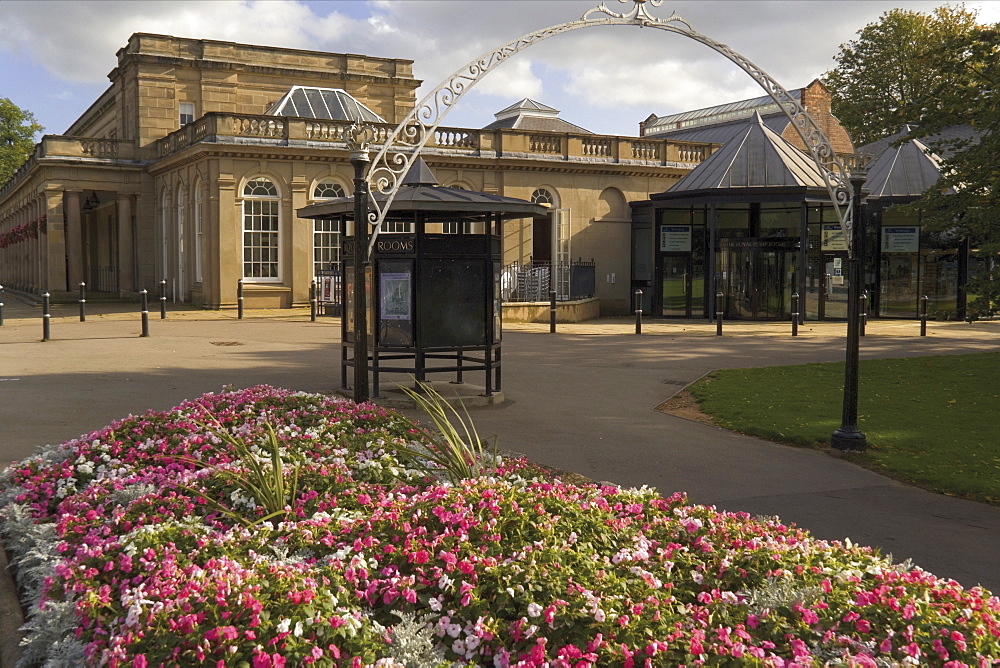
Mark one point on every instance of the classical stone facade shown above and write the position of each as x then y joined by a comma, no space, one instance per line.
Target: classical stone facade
177,173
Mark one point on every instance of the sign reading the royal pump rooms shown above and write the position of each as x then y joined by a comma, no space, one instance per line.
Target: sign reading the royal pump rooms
896,239
833,238
675,239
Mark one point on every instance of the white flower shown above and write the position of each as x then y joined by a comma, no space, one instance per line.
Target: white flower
284,625
599,616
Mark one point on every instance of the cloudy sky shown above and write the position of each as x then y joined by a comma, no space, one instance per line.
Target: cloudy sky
55,56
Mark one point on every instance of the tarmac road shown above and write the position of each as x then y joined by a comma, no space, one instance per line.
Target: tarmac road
581,400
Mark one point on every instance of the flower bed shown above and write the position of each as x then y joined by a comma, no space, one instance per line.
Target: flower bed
139,545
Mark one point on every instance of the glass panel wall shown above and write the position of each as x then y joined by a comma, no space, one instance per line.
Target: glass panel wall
681,246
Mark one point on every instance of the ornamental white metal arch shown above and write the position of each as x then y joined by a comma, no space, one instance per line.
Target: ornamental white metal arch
401,147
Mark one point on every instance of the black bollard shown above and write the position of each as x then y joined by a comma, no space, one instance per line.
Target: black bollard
864,312
239,299
145,312
1,306
638,311
718,313
458,369
795,314
552,312
83,302
163,299
312,302
923,316
46,318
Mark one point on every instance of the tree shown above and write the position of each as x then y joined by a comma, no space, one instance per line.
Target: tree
966,200
883,74
18,128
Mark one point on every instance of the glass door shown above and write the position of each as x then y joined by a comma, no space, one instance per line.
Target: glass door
898,296
833,296
677,279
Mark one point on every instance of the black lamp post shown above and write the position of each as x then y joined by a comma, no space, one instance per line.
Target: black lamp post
848,438
357,142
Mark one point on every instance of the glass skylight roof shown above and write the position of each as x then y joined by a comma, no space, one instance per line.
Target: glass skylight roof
323,103
723,113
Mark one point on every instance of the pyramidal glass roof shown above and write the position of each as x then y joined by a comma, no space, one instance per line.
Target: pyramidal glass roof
759,158
322,103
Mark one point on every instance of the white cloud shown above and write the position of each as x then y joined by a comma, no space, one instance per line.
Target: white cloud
513,79
604,77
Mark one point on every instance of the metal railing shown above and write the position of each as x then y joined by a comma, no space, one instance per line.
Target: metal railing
102,278
329,292
530,282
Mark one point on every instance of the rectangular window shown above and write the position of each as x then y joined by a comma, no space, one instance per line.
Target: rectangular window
187,113
397,227
326,245
453,228
260,239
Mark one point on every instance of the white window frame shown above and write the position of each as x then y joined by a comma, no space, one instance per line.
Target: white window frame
327,235
185,113
261,210
199,233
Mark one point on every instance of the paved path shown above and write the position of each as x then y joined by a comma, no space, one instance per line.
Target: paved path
583,400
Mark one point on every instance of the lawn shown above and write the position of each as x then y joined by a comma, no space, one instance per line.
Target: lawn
930,421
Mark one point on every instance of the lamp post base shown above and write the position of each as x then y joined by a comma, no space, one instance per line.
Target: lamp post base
848,439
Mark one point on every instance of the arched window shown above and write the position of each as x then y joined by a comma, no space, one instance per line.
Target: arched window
543,197
199,232
328,190
181,274
326,232
261,224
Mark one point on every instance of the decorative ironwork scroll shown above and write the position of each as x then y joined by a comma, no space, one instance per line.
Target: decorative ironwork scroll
403,144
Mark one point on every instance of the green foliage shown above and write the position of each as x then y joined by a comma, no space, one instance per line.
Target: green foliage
262,479
459,453
928,420
967,199
882,76
18,128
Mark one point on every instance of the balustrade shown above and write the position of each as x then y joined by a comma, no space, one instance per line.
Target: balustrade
259,127
646,150
598,147
551,144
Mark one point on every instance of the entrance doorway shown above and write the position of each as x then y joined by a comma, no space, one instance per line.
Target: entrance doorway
757,277
677,285
834,288
899,289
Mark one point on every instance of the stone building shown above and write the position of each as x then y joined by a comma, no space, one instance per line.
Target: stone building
190,167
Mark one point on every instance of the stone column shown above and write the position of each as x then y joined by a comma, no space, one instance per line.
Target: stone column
126,248
74,238
55,241
300,250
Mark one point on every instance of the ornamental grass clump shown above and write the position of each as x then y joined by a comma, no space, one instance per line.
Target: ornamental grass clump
458,452
377,563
